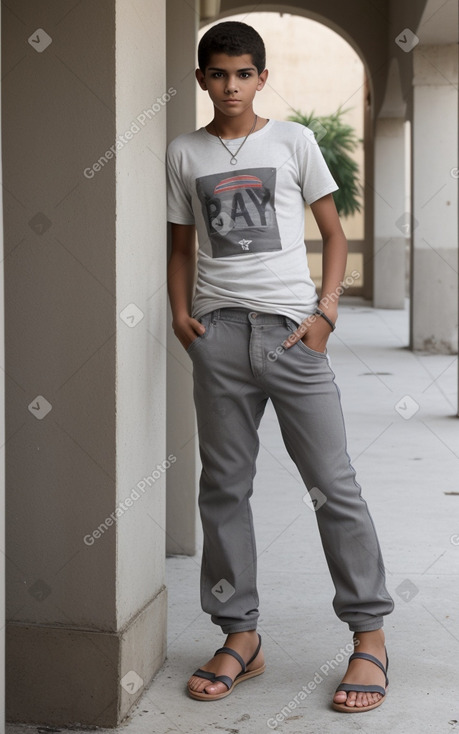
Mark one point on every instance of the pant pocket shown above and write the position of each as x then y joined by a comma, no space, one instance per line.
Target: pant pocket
301,345
312,352
206,321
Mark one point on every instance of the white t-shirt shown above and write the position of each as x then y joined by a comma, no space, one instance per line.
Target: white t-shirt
249,216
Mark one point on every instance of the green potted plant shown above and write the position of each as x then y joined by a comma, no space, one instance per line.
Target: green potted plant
337,141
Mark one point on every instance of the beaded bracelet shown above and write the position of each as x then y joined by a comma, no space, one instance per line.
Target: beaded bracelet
324,316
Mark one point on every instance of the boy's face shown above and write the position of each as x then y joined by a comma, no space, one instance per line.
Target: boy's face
232,82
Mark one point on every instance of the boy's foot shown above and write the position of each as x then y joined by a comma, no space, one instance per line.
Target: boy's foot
244,643
364,672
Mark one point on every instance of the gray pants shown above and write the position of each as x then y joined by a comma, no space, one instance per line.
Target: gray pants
237,365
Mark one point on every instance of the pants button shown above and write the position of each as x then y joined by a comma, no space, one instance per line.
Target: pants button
254,315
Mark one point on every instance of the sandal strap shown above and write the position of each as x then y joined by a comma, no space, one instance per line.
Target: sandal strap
214,678
228,682
199,673
256,651
208,675
348,687
235,654
371,659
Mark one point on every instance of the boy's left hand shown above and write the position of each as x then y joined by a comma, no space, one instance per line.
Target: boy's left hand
313,331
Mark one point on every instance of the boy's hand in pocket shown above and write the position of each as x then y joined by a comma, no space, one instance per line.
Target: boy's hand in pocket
187,329
313,332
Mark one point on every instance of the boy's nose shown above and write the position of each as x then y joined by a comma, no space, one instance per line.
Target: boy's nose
231,87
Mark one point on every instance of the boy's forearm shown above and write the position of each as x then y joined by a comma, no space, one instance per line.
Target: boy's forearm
334,254
334,259
181,270
180,281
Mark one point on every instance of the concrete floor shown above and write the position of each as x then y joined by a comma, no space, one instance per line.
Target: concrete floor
403,438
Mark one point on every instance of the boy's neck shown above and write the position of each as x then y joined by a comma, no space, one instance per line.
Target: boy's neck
234,127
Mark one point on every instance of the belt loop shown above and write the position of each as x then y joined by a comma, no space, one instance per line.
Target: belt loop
215,315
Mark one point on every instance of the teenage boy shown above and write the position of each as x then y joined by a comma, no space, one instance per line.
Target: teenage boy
255,330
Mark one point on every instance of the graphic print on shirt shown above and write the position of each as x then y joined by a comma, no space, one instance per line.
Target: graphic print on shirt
239,211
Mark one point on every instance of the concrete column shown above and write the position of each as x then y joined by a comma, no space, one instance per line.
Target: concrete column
2,456
391,221
368,193
85,129
435,199
182,28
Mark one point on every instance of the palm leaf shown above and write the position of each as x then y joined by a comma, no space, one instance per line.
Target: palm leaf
337,140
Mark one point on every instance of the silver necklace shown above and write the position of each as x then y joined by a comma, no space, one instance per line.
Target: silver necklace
233,159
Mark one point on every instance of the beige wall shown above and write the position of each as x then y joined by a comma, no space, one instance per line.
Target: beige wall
181,505
2,468
86,615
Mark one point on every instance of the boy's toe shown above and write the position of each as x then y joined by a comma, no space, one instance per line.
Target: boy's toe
215,688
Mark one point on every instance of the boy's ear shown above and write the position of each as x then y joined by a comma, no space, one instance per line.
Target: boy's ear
201,79
262,79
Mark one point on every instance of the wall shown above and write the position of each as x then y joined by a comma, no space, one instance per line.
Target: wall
85,307
2,468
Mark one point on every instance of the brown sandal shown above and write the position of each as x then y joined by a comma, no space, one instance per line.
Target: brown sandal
348,687
229,683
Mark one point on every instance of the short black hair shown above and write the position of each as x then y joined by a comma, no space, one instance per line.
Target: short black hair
234,39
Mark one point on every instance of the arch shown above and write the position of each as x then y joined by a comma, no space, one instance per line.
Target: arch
360,27
359,228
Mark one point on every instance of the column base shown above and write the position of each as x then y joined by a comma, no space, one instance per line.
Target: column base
68,677
434,318
389,288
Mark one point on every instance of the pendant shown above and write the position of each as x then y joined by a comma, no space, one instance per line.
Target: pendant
233,160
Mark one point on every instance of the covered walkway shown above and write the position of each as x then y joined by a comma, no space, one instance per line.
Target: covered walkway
404,442
97,390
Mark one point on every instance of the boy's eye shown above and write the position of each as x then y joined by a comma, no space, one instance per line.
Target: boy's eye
219,74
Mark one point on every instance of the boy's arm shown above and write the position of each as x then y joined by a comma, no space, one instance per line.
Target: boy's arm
334,254
315,330
180,281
